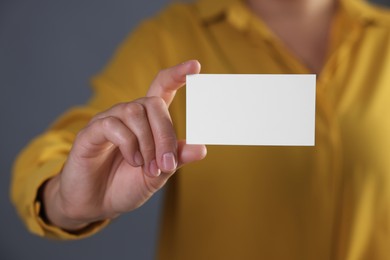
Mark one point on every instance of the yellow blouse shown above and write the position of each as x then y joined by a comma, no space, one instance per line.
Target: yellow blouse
331,201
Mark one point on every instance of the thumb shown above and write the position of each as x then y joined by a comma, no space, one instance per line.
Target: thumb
188,153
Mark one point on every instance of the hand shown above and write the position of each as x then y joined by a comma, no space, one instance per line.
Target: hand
122,157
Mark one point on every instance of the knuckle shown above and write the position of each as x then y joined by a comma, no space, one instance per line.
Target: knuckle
130,142
108,122
148,149
156,101
166,138
81,134
134,109
84,132
161,73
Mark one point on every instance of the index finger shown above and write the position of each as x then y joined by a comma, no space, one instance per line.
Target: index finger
168,81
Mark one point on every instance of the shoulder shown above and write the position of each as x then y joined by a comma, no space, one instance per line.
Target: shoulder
171,26
184,12
175,34
376,15
380,15
176,17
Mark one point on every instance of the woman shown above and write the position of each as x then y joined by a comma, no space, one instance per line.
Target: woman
330,201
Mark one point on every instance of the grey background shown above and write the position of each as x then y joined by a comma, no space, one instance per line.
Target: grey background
48,52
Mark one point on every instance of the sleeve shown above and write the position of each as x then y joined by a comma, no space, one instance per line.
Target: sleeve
125,78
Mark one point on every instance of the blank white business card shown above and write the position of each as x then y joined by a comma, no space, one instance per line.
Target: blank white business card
251,109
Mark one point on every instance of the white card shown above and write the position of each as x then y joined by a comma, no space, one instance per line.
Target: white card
251,109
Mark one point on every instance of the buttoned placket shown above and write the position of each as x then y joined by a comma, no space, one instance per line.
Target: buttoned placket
256,31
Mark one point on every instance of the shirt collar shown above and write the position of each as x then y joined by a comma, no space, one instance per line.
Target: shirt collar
234,11
360,9
365,12
209,9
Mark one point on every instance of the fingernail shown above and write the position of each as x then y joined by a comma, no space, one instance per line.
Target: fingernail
153,168
138,158
169,162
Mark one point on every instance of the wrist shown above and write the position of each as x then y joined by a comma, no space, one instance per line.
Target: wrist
54,210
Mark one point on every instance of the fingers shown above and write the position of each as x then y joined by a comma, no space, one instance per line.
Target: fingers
168,81
143,129
134,116
106,131
148,120
188,153
163,133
